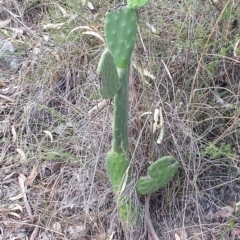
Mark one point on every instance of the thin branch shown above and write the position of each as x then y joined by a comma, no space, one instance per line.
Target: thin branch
151,230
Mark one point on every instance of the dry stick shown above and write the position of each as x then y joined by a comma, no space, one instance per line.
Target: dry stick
150,227
22,180
34,233
94,111
6,98
99,107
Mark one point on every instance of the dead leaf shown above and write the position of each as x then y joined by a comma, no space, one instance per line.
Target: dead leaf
22,181
19,196
17,31
143,72
49,134
22,154
6,98
9,176
237,206
95,34
10,210
176,236
63,11
14,214
32,176
89,32
2,83
56,26
76,229
101,236
153,29
235,233
57,227
225,212
79,27
14,134
158,124
15,207
90,6
181,234
236,47
3,24
34,233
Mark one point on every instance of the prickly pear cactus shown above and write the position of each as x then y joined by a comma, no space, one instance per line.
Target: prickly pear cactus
120,32
160,173
108,72
116,165
135,4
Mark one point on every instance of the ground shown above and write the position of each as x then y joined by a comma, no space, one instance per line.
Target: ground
53,139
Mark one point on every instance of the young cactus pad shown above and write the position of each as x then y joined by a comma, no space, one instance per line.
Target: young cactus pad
116,165
108,72
120,32
160,173
135,4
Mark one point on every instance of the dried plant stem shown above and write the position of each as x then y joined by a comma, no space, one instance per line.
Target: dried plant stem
151,230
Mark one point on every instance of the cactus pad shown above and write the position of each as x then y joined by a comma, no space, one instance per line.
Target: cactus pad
120,33
108,72
135,4
116,165
160,173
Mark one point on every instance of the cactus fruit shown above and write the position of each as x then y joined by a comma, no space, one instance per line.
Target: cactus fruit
108,72
116,165
160,173
135,4
120,32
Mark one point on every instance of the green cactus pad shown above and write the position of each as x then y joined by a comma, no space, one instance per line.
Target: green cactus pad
108,72
160,173
116,165
120,33
135,4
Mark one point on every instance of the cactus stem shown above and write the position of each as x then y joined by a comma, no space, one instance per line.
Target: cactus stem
120,125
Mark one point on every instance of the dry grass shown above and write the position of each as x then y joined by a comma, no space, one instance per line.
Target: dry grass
48,136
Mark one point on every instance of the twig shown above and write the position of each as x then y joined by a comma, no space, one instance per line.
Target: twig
151,230
6,98
21,180
99,107
94,112
34,233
